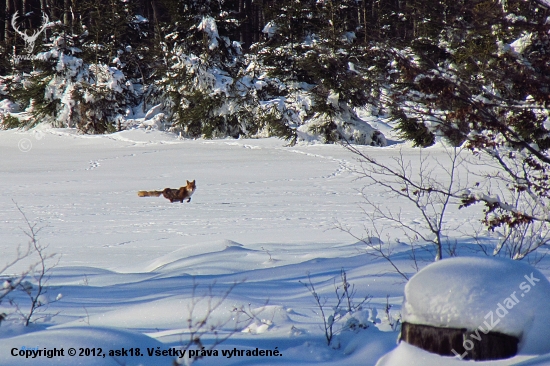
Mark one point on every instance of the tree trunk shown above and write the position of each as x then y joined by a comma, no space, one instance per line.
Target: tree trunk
7,24
468,345
43,7
24,7
66,10
256,21
155,22
245,16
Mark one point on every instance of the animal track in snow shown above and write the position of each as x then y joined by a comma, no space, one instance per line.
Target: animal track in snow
93,165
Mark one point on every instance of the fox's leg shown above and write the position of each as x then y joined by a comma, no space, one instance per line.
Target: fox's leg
189,200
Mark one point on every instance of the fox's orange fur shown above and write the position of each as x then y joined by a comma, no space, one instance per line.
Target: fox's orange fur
173,195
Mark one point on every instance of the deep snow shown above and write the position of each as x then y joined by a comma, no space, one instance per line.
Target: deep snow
263,217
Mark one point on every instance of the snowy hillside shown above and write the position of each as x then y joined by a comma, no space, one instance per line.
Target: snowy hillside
261,226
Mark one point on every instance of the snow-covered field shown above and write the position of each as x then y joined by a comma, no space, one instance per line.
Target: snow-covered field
260,225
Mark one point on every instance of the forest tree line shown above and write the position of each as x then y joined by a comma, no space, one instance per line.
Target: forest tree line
266,67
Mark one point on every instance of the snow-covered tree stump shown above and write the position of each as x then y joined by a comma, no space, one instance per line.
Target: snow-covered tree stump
490,346
473,308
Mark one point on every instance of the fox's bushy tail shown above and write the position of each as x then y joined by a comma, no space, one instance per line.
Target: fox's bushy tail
149,193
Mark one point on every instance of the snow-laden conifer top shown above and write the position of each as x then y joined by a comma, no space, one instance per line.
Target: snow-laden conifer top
482,294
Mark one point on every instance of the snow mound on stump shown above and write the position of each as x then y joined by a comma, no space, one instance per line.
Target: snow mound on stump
488,294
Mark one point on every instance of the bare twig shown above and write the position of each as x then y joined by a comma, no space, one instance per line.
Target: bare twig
394,324
198,326
430,187
344,294
37,293
31,282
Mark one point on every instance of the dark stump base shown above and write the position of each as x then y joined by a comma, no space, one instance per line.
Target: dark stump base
470,345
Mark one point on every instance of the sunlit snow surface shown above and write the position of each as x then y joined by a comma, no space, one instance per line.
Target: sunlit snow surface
263,217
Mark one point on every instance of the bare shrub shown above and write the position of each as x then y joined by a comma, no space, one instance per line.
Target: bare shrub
431,185
31,282
344,304
200,322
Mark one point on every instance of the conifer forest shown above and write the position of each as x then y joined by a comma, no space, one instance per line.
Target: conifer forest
466,70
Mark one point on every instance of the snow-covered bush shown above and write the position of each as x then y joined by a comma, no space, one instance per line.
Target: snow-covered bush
67,92
198,98
313,74
216,93
7,120
101,99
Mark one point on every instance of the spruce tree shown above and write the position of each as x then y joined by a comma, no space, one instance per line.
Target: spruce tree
203,65
316,64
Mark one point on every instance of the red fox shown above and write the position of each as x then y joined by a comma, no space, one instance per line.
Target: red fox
173,194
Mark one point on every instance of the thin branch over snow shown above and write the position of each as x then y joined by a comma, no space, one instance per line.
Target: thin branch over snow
431,188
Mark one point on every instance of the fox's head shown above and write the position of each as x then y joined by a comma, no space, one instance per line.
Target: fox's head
191,185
